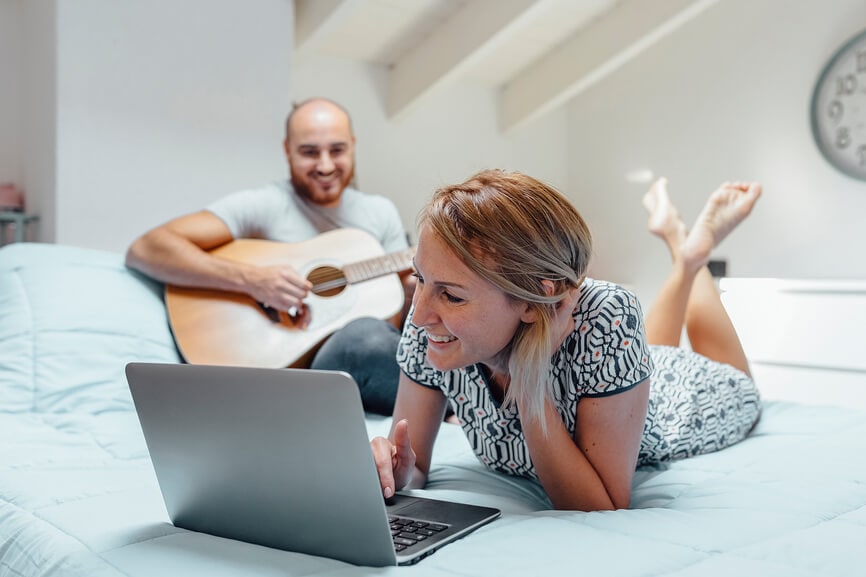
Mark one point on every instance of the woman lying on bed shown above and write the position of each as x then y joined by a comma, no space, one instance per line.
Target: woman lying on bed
551,374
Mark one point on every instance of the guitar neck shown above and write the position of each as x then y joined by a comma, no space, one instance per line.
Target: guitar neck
379,266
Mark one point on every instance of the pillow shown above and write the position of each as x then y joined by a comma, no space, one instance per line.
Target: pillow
70,320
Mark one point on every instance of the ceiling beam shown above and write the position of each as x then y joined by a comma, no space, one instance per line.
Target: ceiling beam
315,19
476,28
589,56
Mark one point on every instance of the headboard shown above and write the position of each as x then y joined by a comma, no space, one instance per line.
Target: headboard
805,339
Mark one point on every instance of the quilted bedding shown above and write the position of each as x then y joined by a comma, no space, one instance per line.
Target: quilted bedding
78,496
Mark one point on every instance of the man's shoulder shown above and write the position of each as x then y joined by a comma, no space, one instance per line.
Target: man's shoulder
276,191
355,196
376,214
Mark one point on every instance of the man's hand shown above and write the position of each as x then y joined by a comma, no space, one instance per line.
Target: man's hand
395,461
279,287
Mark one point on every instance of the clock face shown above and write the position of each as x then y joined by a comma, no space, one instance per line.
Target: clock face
839,109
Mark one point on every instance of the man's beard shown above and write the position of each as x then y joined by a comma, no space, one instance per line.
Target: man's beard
305,191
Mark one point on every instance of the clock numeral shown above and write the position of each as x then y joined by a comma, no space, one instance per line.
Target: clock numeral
861,61
843,137
846,85
835,111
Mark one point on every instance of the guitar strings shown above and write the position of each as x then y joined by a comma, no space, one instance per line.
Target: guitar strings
330,278
327,278
325,286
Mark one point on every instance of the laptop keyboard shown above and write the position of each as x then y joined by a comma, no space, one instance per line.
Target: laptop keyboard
407,532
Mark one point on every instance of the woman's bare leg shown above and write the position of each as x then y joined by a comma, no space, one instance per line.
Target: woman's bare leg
689,295
666,317
711,332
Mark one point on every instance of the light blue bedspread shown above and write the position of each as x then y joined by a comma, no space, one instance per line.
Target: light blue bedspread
78,496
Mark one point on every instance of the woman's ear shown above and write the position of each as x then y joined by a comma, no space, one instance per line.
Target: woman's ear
530,312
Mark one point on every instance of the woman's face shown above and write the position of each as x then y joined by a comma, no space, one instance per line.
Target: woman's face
467,319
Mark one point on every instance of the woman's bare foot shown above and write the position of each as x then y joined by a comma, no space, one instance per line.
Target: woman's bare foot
726,208
664,218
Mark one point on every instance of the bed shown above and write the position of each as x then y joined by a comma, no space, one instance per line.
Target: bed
78,496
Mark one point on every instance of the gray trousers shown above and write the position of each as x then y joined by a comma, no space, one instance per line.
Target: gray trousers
365,348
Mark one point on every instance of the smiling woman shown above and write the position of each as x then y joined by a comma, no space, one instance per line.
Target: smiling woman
467,319
548,371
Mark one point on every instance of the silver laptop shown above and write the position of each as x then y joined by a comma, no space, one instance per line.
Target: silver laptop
281,458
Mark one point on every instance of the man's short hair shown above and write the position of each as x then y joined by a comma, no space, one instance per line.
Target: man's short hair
298,105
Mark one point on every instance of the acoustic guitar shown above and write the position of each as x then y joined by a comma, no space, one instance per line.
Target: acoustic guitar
352,277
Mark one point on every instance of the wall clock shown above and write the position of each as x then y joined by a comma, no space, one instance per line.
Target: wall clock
839,108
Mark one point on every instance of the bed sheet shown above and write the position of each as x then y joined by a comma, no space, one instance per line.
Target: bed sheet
78,497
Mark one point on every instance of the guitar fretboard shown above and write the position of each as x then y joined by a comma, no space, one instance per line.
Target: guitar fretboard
379,266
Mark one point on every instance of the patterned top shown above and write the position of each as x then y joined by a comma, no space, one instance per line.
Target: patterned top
604,355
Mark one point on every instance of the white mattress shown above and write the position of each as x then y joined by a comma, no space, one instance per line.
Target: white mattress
78,496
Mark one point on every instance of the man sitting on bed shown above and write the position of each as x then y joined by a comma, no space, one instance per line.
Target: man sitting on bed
320,149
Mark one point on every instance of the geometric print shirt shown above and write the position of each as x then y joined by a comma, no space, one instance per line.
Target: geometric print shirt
606,354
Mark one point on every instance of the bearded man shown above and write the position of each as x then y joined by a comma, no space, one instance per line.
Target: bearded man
318,197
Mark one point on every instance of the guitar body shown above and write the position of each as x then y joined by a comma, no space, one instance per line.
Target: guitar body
225,328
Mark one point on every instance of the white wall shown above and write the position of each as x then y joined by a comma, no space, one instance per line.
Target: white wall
443,140
140,111
39,113
162,107
724,98
11,91
27,106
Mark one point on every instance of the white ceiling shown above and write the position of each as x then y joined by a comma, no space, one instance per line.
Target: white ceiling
537,53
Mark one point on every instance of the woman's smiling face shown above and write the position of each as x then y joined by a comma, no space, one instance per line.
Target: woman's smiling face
467,319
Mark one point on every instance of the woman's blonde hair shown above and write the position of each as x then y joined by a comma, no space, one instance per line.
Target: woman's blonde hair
515,232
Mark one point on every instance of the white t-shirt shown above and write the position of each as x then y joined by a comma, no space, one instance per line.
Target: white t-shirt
276,212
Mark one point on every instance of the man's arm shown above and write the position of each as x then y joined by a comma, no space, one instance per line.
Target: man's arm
177,253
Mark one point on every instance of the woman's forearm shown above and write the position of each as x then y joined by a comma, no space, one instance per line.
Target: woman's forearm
568,477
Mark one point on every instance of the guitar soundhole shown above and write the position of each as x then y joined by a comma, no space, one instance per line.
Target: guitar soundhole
327,281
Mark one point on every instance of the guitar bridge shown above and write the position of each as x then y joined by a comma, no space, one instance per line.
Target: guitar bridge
270,312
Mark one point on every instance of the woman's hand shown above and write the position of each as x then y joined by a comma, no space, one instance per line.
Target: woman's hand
395,461
399,462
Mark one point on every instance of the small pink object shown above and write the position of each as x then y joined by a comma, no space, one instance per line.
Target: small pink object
11,198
